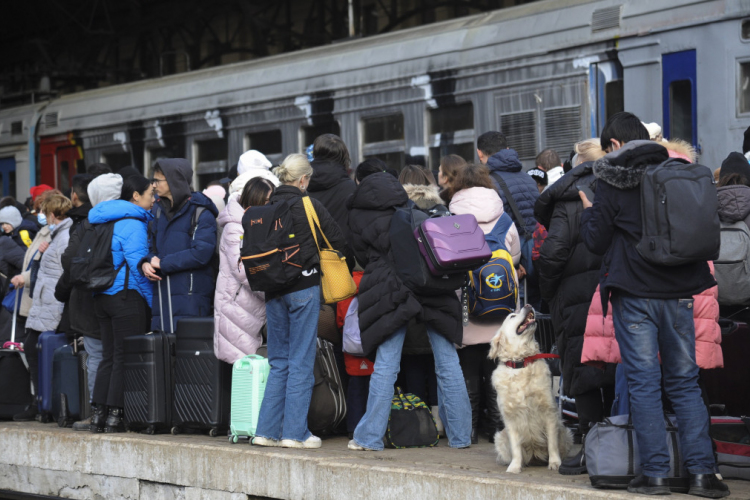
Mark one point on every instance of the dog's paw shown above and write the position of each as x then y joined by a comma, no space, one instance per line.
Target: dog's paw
554,464
513,469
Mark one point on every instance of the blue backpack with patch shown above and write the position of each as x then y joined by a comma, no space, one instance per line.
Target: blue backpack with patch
492,289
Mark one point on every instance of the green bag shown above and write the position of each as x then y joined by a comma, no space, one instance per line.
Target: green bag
249,378
410,424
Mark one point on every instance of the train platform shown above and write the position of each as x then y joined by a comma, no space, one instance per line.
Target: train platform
47,460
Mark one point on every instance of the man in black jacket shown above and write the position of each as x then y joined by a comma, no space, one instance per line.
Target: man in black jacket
652,311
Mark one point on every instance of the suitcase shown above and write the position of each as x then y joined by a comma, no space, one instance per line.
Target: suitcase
65,386
452,244
328,402
202,383
732,438
730,386
48,343
148,374
15,382
249,378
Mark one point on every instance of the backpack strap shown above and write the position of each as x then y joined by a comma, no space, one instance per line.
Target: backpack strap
514,208
194,223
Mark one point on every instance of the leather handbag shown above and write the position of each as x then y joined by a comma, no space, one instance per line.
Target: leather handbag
336,282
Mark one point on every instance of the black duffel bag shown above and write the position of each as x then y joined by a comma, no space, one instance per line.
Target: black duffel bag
410,424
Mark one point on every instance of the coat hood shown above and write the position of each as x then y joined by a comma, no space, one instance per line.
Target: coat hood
734,203
117,209
505,160
10,215
624,168
554,174
483,203
424,197
565,189
379,191
239,183
326,175
104,187
179,176
79,213
680,149
252,160
232,213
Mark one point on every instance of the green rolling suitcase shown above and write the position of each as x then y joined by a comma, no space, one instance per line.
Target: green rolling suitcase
249,377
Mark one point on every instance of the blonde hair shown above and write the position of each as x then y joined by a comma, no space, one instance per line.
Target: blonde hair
58,205
294,167
589,150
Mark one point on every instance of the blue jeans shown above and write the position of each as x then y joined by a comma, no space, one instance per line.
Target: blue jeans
292,321
646,329
621,404
94,350
453,400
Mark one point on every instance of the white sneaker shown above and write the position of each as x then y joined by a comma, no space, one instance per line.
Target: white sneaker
354,446
309,443
261,441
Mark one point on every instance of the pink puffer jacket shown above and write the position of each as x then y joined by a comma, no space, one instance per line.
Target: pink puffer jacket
239,313
600,346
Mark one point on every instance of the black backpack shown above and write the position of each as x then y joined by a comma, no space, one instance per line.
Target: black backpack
680,212
408,262
92,267
270,252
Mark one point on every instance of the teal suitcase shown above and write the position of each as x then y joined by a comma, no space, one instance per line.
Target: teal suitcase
249,377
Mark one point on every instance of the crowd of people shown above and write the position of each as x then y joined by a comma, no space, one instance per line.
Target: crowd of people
577,258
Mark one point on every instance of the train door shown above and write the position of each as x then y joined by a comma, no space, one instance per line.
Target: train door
606,93
679,96
67,166
60,160
8,176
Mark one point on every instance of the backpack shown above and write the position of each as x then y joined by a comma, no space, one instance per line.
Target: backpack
680,211
407,260
492,288
92,267
270,252
732,268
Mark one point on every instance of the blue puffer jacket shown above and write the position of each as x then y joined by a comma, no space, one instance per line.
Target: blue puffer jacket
185,259
129,243
522,187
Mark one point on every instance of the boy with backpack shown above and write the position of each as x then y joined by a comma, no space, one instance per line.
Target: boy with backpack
651,279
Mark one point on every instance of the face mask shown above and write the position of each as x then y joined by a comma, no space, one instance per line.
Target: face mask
42,219
52,227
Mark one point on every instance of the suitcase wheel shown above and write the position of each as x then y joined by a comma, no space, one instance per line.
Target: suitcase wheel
213,432
175,430
234,439
149,430
44,418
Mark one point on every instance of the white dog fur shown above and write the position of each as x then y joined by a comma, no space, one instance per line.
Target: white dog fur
533,428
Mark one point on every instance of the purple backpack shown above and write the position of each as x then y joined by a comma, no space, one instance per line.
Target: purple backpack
452,244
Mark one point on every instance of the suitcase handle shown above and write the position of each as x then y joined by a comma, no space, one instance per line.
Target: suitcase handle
244,362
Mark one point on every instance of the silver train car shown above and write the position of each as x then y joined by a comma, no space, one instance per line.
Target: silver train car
547,74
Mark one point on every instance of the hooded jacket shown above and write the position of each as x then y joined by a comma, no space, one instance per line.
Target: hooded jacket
734,204
11,256
238,184
185,252
522,187
129,244
32,253
613,228
104,187
424,197
568,276
239,312
331,185
385,303
46,311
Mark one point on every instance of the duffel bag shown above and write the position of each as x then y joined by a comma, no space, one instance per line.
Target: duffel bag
410,424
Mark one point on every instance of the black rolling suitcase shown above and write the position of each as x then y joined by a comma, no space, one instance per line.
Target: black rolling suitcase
15,383
65,386
729,387
202,383
148,371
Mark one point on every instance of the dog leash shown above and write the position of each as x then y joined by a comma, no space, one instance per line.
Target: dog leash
527,361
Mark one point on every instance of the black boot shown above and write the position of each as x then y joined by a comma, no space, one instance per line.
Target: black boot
493,411
646,485
27,415
114,420
574,465
707,486
98,417
473,386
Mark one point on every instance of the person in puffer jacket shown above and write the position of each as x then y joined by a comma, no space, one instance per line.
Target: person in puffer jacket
122,309
182,242
239,312
46,311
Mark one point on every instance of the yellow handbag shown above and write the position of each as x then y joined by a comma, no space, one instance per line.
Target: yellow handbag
335,281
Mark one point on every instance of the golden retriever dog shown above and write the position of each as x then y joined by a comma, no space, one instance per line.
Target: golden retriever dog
533,428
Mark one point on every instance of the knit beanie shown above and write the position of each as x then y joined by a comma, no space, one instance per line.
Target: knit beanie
735,163
37,190
104,188
10,215
252,159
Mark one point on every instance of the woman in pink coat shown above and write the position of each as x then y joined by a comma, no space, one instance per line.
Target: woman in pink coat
239,312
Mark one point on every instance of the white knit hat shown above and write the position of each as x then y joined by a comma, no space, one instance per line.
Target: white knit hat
252,159
654,131
105,187
11,215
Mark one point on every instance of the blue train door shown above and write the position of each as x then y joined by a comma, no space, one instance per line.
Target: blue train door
8,176
679,96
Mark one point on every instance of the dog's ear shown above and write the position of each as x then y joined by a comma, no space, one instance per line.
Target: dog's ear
497,345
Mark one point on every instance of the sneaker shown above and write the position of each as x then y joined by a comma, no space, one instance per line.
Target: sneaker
707,486
574,465
647,485
309,443
28,415
261,441
82,425
354,446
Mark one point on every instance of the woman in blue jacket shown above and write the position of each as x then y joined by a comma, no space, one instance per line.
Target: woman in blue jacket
122,309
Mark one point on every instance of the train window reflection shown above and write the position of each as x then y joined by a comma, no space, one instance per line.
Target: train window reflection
451,118
309,133
681,110
116,161
394,160
212,161
614,96
744,90
267,142
466,151
383,128
746,29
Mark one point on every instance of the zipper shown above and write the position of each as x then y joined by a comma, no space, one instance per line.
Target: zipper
237,294
195,230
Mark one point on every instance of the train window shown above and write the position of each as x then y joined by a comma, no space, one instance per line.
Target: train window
394,159
16,128
466,151
383,128
614,97
309,133
451,118
156,154
746,29
267,142
744,90
681,110
116,161
212,161
520,131
63,181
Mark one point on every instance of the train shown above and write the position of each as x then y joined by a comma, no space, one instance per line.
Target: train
547,74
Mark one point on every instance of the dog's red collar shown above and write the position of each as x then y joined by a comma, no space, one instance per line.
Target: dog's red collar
527,361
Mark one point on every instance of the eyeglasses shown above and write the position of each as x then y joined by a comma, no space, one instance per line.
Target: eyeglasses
157,181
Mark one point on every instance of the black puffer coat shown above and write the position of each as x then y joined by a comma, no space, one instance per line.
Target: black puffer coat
568,275
331,185
385,303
